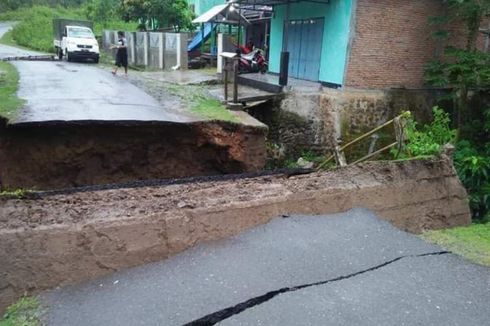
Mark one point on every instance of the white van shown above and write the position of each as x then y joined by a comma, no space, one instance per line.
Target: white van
75,40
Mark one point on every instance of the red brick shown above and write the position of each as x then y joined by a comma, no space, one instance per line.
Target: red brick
393,42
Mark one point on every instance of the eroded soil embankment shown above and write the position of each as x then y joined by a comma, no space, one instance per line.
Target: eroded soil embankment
64,239
66,155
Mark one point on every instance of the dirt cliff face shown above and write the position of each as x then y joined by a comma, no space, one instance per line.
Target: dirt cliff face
62,155
70,237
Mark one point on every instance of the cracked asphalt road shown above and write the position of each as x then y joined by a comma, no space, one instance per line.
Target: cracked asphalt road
59,91
346,269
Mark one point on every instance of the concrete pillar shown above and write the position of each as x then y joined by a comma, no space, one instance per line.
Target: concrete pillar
106,39
182,55
219,65
161,48
131,44
146,49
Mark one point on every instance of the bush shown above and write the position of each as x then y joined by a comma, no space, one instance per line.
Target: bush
473,168
35,29
428,139
472,162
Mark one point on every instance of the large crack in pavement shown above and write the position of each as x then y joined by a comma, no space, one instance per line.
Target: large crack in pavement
218,316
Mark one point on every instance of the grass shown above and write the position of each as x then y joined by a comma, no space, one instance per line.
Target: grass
8,39
472,242
211,109
17,194
23,313
9,82
35,27
196,99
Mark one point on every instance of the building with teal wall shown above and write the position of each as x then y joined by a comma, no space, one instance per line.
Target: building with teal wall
318,37
201,6
336,17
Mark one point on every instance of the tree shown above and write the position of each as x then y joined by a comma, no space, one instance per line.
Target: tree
16,4
466,71
101,10
472,13
166,13
462,69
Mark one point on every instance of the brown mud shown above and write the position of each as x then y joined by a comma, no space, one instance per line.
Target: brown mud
62,155
67,238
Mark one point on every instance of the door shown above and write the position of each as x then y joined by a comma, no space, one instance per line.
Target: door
305,48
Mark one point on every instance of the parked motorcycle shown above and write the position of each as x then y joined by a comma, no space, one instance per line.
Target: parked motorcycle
254,61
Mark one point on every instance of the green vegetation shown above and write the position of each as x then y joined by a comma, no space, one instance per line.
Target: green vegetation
211,108
6,5
23,313
466,73
473,168
8,39
110,14
196,98
428,139
472,242
35,27
158,13
9,81
17,193
472,161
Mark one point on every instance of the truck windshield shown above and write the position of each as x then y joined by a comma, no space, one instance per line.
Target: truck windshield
80,32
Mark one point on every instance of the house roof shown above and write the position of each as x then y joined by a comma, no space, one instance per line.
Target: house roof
222,14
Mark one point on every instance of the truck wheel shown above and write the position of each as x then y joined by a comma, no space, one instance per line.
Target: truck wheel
96,60
60,53
68,56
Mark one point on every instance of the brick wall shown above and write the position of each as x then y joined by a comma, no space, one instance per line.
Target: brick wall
392,43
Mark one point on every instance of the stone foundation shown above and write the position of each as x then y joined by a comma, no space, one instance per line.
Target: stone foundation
314,121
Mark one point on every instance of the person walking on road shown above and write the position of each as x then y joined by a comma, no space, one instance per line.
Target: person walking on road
122,54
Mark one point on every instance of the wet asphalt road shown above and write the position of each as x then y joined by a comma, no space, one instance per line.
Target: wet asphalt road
344,269
60,91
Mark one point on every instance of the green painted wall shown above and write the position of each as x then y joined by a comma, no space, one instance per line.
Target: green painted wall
201,6
337,16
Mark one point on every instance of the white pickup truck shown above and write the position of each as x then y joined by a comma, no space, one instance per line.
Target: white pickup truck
75,40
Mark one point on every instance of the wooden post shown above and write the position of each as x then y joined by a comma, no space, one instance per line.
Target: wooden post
340,157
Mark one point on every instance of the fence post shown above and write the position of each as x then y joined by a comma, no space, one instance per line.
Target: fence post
146,49
219,64
161,38
132,47
182,55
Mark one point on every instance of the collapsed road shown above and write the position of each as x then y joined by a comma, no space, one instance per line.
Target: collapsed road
82,126
67,237
345,269
351,268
